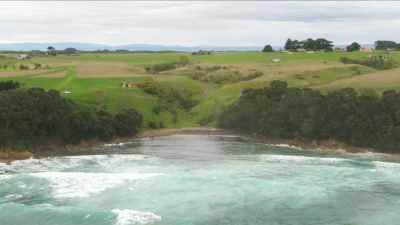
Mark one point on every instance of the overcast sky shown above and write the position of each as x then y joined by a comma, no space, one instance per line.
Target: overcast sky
198,23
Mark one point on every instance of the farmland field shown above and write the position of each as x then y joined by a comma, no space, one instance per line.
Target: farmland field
212,81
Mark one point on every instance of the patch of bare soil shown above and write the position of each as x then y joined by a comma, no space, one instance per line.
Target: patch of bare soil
20,73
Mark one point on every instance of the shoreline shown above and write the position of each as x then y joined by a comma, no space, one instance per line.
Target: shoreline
322,146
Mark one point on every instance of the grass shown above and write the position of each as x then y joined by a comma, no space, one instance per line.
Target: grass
95,79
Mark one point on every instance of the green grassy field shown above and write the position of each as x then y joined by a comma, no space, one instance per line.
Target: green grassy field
95,79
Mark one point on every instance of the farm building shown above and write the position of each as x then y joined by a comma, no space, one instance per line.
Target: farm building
127,84
23,57
366,50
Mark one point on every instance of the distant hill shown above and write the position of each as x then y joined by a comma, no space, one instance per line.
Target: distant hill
28,46
132,47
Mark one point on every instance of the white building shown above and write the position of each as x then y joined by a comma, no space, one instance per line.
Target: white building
23,57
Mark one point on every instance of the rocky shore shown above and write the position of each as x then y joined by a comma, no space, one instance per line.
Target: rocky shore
324,146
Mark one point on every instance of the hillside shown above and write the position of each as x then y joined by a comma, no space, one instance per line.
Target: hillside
204,83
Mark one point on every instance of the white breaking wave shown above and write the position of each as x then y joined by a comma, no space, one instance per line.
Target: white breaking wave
79,184
285,146
117,144
67,162
298,158
121,157
14,196
4,177
386,165
132,217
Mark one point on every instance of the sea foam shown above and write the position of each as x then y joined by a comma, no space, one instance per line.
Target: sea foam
387,165
300,159
79,184
69,162
132,217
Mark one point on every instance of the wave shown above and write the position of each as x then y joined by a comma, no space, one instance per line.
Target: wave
387,165
79,184
132,217
285,146
298,158
313,160
4,176
118,144
68,162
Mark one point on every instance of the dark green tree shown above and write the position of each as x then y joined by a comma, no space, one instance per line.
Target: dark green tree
345,115
268,48
9,85
289,44
353,47
70,51
383,45
51,50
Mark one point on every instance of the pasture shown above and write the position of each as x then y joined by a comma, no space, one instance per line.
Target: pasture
211,81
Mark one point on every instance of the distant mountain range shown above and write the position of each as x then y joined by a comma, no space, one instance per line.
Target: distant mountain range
131,47
28,46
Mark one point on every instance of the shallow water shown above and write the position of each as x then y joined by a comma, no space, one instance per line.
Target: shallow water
200,180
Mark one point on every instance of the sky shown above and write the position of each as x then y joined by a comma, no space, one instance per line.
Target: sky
188,23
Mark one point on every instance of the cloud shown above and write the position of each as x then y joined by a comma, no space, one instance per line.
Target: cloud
196,23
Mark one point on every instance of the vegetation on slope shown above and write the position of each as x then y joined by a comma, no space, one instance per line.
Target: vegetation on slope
34,117
365,120
208,82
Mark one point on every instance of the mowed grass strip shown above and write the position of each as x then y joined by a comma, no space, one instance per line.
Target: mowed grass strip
379,80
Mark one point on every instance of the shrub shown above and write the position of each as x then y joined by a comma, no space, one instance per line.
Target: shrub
279,111
127,122
34,116
170,98
220,76
156,68
9,85
183,60
160,67
23,67
376,62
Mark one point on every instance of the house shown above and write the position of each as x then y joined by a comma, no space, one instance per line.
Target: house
23,57
301,50
275,60
66,92
340,49
366,50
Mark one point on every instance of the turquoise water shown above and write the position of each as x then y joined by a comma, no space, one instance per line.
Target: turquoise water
200,180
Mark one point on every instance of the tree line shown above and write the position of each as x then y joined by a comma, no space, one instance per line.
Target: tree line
309,45
34,117
365,120
322,44
385,45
